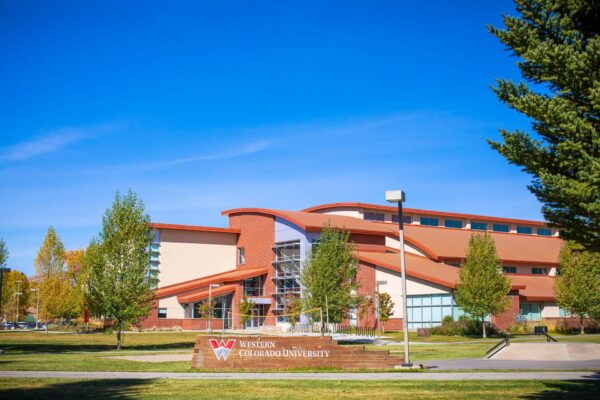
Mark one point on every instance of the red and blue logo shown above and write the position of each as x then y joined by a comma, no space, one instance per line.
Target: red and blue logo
221,348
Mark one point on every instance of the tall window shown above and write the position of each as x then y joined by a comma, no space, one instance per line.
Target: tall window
373,216
524,229
254,286
287,274
544,231
500,228
241,255
452,223
430,221
479,226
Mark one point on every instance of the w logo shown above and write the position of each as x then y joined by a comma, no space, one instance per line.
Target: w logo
221,348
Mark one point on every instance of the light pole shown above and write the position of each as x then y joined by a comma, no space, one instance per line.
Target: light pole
37,308
398,196
210,311
17,296
378,306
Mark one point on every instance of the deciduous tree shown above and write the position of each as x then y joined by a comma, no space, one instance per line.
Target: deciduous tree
120,284
386,307
329,275
483,288
558,46
15,282
578,286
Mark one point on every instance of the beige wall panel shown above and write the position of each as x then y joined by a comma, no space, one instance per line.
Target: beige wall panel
186,255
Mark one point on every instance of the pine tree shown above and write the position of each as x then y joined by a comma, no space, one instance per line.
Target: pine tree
329,275
3,254
120,284
558,44
578,286
483,288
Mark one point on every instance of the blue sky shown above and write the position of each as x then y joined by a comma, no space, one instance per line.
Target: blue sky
203,106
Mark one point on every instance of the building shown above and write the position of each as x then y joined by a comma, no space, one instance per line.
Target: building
260,256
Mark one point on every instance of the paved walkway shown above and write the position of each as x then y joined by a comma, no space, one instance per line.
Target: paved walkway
494,364
341,376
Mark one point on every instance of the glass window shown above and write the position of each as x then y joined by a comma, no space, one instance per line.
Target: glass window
509,270
373,216
407,219
430,221
500,228
479,226
162,313
452,223
544,231
524,229
241,255
539,271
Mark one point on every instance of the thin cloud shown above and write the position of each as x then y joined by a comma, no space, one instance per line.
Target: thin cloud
247,149
52,142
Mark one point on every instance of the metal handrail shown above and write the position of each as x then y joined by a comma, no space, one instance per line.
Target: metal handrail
506,341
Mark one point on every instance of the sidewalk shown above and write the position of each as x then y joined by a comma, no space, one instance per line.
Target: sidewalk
342,376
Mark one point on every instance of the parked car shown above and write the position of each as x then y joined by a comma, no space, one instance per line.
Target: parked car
8,325
21,325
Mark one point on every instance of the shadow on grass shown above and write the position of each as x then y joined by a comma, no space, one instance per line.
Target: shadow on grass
67,347
86,389
569,390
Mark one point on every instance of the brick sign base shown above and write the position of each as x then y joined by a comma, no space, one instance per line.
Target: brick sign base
276,352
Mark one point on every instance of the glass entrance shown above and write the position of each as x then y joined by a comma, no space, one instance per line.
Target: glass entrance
257,320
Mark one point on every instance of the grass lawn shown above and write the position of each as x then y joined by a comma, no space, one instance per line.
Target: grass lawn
26,388
81,352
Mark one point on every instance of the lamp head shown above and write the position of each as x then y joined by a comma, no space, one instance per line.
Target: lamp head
395,196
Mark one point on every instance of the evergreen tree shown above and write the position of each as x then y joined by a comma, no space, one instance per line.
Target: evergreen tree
329,275
120,284
3,253
558,43
483,288
578,286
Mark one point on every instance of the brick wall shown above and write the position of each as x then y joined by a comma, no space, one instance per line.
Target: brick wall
366,278
257,237
506,319
368,242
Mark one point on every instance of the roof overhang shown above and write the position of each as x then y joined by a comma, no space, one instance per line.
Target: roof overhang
205,294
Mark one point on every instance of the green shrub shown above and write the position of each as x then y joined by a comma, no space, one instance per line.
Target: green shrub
464,326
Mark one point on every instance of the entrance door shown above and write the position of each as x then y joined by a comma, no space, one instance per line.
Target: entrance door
257,320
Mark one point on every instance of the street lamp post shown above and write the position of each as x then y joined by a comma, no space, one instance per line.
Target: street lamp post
378,306
398,196
37,308
17,297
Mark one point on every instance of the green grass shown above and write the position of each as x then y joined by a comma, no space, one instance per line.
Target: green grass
79,352
26,388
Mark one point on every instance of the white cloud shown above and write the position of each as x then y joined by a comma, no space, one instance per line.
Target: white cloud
52,141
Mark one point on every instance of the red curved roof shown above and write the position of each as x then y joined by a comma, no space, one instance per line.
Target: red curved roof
223,277
204,294
198,228
315,222
530,287
421,211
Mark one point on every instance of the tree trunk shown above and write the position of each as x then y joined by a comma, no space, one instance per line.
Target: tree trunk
119,338
582,331
483,326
